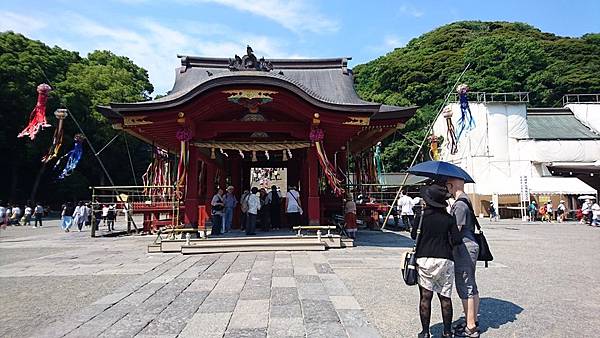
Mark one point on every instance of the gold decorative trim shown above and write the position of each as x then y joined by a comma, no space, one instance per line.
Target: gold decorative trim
135,121
249,93
358,121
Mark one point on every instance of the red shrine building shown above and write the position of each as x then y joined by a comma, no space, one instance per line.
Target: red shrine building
235,114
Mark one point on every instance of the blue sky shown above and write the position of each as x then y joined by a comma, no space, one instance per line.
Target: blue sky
153,32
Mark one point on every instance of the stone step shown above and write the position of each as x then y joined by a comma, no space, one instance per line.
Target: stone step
175,245
243,246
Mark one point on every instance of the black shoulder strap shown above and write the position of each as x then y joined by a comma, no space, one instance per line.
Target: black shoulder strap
418,231
468,203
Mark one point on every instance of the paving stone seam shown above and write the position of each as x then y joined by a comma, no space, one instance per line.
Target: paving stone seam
108,308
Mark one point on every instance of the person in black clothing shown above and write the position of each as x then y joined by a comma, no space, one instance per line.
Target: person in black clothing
111,217
435,263
274,203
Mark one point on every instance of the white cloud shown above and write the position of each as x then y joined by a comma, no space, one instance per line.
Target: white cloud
389,43
20,23
411,10
295,15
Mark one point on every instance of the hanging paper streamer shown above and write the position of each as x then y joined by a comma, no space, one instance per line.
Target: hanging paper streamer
267,155
57,139
223,153
450,133
37,118
289,153
241,153
316,136
466,122
379,163
157,175
184,135
433,147
73,157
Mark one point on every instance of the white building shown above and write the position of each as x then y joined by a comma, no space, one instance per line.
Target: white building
553,149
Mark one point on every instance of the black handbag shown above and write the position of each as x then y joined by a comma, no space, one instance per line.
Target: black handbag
485,254
409,270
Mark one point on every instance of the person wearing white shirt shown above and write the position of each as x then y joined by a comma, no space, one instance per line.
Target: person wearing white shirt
560,211
104,214
2,214
27,215
293,208
595,214
16,214
406,205
83,216
550,211
38,214
253,207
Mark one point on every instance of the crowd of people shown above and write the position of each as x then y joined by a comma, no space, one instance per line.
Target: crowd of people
14,215
257,206
589,213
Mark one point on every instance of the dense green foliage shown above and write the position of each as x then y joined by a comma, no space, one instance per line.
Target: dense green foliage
80,84
504,57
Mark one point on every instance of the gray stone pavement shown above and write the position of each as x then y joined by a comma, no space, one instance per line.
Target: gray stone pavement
543,283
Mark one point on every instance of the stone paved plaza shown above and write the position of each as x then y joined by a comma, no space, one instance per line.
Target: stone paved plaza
543,283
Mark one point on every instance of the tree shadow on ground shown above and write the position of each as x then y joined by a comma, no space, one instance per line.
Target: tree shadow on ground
376,238
493,313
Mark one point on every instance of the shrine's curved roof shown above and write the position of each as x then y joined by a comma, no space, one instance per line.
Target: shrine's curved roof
324,82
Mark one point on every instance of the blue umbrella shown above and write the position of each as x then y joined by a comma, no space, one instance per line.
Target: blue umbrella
440,169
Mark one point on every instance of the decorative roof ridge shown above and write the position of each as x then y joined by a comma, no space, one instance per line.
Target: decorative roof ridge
189,61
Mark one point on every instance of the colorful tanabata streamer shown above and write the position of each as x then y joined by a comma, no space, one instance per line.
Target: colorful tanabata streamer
73,157
378,163
466,122
57,139
450,133
184,135
316,136
37,118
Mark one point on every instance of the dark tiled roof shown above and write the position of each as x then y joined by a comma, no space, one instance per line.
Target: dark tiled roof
326,82
557,124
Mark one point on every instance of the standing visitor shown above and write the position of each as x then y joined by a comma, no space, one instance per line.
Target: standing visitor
244,208
595,214
67,216
2,215
293,208
217,205
350,217
435,262
532,210
27,213
83,216
550,211
406,205
8,215
264,210
230,204
274,203
543,213
465,258
98,214
16,215
493,212
38,215
77,215
560,211
104,213
253,208
111,216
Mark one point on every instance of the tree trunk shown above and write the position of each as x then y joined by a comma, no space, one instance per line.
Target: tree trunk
36,184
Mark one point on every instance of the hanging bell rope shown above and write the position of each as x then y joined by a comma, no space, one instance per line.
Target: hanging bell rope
254,159
212,153
285,158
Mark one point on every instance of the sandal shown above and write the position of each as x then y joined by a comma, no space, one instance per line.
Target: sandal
469,333
424,335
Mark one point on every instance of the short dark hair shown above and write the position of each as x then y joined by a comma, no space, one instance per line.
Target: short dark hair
254,190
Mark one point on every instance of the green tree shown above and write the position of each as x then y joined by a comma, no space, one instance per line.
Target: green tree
504,57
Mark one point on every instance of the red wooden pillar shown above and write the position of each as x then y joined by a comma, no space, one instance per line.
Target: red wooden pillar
314,210
191,194
236,181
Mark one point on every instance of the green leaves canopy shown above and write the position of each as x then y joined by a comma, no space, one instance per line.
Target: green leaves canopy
504,57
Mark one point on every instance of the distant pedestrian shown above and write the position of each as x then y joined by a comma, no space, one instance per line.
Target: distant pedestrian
293,208
230,204
406,204
595,214
111,217
550,211
350,217
27,214
561,211
263,213
83,216
7,215
274,206
67,216
217,205
16,215
435,261
532,210
77,214
104,214
465,258
38,215
493,213
543,213
253,208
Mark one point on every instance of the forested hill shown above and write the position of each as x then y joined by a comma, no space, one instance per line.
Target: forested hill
504,57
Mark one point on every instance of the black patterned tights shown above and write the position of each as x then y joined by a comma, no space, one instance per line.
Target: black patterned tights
425,309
